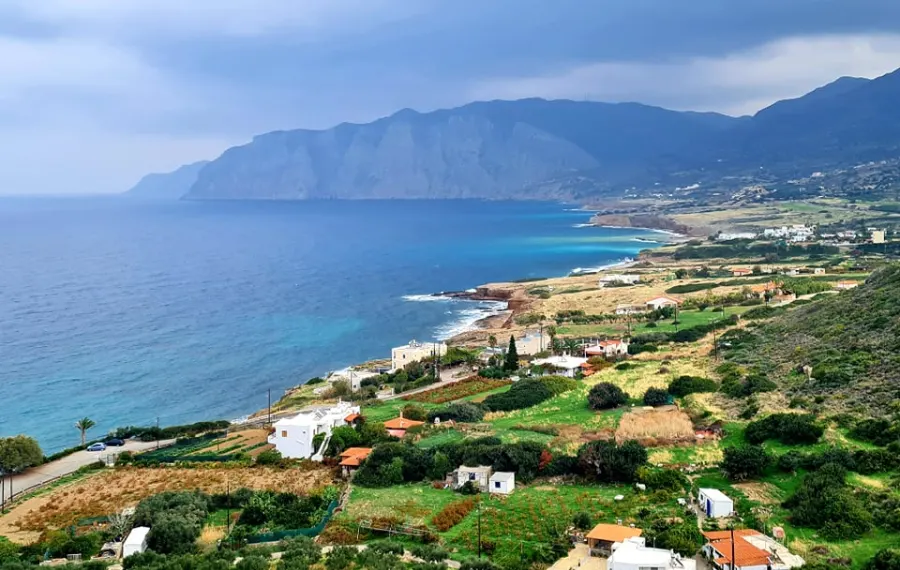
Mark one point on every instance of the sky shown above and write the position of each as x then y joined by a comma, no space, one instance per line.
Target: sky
96,93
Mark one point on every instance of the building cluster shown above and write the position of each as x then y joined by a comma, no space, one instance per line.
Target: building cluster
795,233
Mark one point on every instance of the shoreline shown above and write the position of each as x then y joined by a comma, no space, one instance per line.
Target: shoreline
503,318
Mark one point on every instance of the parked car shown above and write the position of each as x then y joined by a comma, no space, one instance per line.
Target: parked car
115,442
97,447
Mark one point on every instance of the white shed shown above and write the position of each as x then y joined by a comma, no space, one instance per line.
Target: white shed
715,503
503,482
136,542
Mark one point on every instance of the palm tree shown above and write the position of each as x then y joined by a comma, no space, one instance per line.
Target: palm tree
551,332
571,345
492,341
83,425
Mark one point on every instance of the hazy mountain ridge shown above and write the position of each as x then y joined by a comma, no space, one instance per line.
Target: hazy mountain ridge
533,148
173,184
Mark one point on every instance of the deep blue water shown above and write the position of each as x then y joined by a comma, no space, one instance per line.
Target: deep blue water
125,311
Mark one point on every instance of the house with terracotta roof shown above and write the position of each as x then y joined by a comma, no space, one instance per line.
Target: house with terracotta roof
612,348
761,289
661,302
748,549
741,271
603,536
352,458
398,427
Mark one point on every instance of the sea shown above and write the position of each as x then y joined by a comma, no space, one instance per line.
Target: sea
128,311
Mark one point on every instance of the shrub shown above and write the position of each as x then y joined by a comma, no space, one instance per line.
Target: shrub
878,431
559,384
301,551
478,564
522,394
430,552
824,501
885,559
414,412
252,562
340,558
604,396
606,461
744,462
625,366
663,479
789,429
685,385
656,397
452,514
465,412
387,547
582,521
269,457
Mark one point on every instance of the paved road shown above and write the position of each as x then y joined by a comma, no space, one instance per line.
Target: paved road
448,376
70,464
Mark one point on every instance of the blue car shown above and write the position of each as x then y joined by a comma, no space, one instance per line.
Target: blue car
97,447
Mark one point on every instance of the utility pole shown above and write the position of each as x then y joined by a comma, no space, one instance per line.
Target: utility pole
270,406
715,347
541,340
157,432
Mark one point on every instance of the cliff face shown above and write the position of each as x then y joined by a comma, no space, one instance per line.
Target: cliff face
169,185
501,149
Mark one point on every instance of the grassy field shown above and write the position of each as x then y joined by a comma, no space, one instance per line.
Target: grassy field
687,319
530,516
649,374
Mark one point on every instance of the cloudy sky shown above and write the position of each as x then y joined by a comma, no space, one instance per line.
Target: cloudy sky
96,93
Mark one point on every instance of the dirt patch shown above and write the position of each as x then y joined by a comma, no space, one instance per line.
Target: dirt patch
764,493
111,491
656,426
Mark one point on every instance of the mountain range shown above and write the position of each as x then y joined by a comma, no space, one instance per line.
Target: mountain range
539,149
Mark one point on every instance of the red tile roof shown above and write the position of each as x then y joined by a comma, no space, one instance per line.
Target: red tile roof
745,553
613,532
354,456
351,417
402,423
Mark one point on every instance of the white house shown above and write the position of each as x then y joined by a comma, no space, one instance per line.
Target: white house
632,554
612,348
619,279
415,351
715,503
565,365
660,302
502,482
480,476
136,541
630,309
293,437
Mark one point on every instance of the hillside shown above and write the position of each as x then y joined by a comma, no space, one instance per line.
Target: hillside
851,340
169,185
538,149
501,149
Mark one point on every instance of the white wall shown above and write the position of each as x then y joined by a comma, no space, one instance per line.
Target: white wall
505,487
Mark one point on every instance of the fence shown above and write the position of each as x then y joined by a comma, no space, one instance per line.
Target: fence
139,460
310,532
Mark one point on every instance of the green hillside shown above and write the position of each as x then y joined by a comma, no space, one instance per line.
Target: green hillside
851,340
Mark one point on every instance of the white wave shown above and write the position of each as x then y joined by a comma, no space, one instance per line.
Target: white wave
426,298
465,319
627,262
582,225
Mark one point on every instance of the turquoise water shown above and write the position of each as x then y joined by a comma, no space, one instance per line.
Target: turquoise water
125,311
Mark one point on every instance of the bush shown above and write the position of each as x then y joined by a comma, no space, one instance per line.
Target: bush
559,384
430,552
606,461
478,564
604,396
452,514
663,479
685,385
300,551
414,412
252,562
656,397
522,394
269,457
464,412
824,501
789,429
744,462
582,521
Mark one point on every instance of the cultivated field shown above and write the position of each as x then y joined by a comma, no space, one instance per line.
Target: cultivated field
110,491
656,426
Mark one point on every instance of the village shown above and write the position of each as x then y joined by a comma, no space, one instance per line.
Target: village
521,409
